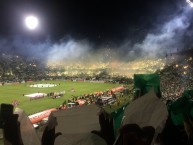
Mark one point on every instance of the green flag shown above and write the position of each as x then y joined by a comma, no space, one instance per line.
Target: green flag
144,82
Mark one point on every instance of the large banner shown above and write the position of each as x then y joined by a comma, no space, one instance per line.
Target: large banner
41,115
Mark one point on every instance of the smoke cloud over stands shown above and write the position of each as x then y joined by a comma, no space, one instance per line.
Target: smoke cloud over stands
168,38
70,50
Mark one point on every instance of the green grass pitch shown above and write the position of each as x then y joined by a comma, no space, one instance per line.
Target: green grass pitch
10,93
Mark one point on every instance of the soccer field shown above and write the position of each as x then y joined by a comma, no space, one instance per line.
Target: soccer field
15,92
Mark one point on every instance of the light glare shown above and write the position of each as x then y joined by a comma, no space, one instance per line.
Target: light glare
31,22
190,3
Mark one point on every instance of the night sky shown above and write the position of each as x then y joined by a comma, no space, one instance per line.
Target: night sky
100,22
97,20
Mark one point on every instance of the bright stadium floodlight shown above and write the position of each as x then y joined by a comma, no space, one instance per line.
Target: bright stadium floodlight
31,22
190,3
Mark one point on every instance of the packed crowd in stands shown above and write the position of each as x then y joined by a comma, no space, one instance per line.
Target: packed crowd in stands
176,78
15,68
